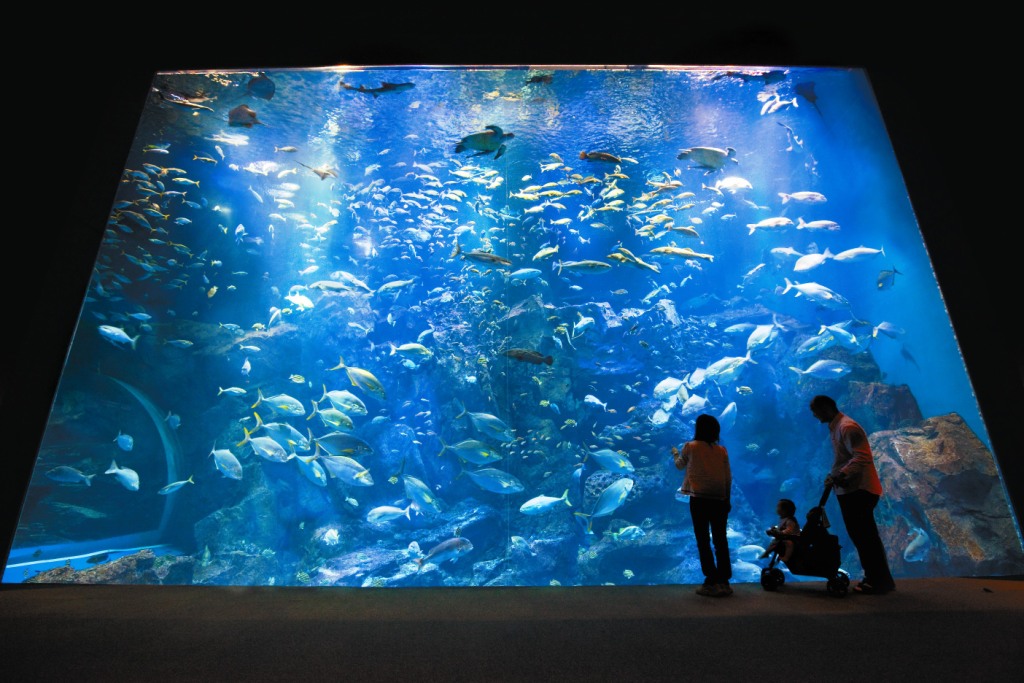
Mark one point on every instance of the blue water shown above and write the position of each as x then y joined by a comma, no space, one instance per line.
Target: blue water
247,273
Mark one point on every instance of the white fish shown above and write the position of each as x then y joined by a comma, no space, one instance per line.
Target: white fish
386,513
818,293
816,225
917,549
256,194
693,405
888,329
543,504
824,369
811,261
246,367
582,325
727,418
732,184
128,478
785,253
804,197
861,253
763,336
226,463
592,400
727,369
117,336
774,223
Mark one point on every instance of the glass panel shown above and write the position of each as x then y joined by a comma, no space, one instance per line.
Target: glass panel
443,326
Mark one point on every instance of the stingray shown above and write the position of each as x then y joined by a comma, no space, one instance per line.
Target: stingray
243,115
806,90
261,86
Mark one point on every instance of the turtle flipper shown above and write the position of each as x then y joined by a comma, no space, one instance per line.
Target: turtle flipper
501,150
496,129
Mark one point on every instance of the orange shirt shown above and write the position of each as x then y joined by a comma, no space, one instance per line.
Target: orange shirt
707,470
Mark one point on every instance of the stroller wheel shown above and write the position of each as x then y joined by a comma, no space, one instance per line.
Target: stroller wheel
843,577
838,586
772,578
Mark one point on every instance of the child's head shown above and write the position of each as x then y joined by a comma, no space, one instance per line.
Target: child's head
785,508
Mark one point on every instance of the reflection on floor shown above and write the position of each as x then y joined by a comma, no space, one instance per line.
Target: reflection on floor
942,628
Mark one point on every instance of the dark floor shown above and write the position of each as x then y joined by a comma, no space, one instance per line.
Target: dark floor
930,629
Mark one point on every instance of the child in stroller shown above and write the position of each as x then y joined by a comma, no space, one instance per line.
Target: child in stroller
782,533
815,552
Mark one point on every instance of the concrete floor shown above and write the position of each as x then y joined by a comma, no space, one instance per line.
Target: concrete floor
934,629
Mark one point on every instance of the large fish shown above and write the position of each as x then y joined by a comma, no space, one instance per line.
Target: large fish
542,505
727,369
346,469
69,475
480,256
495,480
489,425
824,369
341,443
345,400
452,549
364,379
472,450
128,478
423,500
282,404
265,447
818,293
289,437
685,252
386,513
613,461
610,500
226,463
585,266
860,253
529,356
117,336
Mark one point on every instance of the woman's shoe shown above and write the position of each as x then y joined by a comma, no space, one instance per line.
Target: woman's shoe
707,590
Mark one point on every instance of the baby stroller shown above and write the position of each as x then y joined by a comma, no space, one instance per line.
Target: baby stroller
815,553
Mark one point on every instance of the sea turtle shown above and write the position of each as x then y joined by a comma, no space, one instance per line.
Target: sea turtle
490,140
710,158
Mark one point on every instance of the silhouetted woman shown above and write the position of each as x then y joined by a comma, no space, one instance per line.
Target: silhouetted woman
708,483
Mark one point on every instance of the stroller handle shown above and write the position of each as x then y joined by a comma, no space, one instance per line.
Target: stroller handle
824,496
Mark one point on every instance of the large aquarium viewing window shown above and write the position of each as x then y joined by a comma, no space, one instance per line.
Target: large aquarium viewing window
442,326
